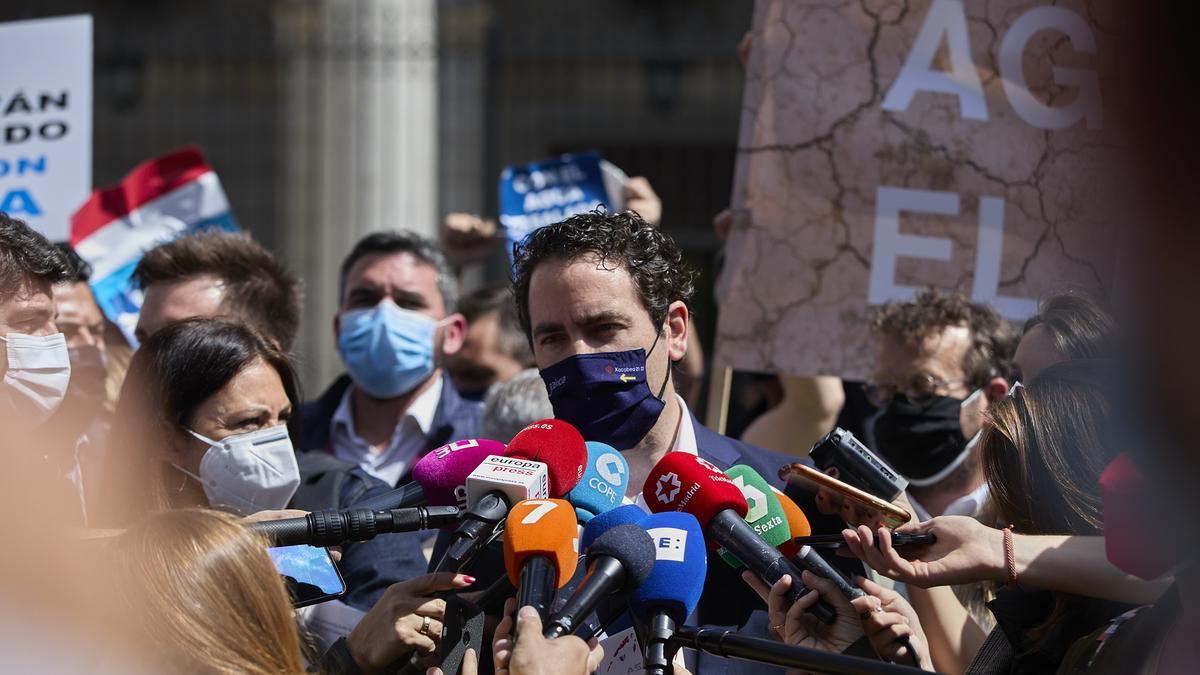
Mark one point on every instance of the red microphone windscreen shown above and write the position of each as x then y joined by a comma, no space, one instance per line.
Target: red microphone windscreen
443,472
797,523
684,482
541,527
556,444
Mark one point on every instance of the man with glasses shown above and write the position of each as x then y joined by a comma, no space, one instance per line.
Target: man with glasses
940,361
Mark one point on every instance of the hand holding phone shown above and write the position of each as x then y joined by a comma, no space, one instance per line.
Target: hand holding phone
899,540
858,507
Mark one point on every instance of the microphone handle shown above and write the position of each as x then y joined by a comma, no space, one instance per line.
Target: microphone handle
479,523
605,575
539,578
812,561
658,655
730,530
330,527
726,643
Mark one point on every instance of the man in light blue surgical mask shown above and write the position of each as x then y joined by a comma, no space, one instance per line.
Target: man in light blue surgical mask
35,367
396,324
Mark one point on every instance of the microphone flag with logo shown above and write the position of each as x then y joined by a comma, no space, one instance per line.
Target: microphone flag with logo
603,484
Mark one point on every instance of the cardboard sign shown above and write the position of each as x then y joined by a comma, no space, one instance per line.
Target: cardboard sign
45,120
161,199
541,193
935,144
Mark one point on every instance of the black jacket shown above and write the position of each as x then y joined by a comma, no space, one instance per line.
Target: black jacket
370,567
455,419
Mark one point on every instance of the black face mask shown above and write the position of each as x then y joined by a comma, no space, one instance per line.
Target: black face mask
924,442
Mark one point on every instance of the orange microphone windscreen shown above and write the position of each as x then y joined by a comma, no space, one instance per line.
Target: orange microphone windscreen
797,521
541,527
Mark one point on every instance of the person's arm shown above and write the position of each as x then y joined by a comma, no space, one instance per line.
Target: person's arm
809,410
953,636
968,551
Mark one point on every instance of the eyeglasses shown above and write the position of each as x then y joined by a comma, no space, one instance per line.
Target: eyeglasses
920,388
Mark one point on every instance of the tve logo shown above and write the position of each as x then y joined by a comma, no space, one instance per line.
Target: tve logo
669,543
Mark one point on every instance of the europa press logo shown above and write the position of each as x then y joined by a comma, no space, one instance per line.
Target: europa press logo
667,487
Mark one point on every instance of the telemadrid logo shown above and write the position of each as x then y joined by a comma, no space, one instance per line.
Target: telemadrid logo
667,487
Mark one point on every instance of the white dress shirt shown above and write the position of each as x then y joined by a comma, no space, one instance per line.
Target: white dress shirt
407,443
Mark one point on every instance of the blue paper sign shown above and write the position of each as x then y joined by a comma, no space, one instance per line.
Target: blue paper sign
541,193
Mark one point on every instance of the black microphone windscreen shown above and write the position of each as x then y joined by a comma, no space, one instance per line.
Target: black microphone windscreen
632,546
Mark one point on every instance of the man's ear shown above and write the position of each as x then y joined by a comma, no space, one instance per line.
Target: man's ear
337,327
677,330
454,334
996,389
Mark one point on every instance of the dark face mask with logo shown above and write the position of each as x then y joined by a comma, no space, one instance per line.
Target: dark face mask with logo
923,441
606,396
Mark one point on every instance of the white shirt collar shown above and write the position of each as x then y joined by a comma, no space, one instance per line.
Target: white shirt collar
408,438
685,441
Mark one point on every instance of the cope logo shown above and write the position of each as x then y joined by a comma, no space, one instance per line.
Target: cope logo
670,543
611,468
754,497
667,487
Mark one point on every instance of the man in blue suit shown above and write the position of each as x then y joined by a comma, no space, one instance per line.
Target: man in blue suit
603,299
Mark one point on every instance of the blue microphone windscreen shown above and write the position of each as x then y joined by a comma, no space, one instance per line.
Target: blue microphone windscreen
632,546
604,480
680,567
598,525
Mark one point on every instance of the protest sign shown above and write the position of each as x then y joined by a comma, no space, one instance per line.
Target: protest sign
888,147
45,120
541,193
161,199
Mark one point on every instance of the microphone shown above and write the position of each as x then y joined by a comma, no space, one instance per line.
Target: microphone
556,444
765,515
806,556
672,591
603,484
619,560
545,459
797,522
729,644
330,527
628,513
541,550
439,478
684,482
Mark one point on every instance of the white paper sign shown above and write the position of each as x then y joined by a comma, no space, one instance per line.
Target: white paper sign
46,120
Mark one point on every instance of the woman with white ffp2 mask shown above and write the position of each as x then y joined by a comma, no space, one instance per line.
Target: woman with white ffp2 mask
203,421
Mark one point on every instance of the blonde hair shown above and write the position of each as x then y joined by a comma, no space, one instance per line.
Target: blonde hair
206,596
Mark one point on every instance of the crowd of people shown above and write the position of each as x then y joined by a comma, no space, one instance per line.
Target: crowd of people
1004,440
1053,463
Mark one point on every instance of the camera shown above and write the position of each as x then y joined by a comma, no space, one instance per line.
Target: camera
856,465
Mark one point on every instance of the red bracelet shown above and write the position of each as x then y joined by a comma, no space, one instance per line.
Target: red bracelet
1010,555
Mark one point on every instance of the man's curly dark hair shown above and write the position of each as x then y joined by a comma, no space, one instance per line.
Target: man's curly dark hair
993,340
655,262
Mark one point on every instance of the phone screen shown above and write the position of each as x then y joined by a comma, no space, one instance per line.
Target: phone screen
309,572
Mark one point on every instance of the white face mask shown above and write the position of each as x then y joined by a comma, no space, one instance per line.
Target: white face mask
39,369
250,472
